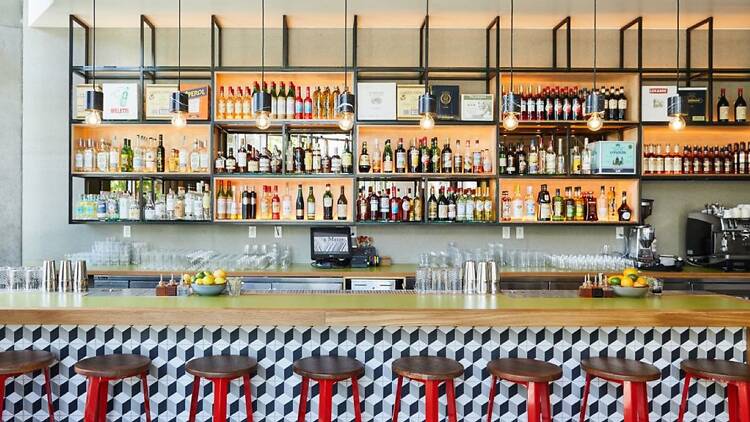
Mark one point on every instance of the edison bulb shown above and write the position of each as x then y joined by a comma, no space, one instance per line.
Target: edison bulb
262,120
510,121
346,121
595,122
427,122
676,122
93,117
179,119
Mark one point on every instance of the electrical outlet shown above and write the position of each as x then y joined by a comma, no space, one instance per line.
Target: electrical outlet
506,232
619,232
354,231
519,233
126,232
252,232
277,232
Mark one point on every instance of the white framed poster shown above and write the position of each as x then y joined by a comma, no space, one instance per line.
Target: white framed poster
80,99
376,101
120,101
158,98
654,102
477,107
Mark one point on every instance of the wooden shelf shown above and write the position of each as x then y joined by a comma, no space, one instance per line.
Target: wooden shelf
696,177
132,175
286,222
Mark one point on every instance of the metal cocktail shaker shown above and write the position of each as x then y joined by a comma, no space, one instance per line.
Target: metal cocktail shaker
470,276
65,277
481,286
49,276
492,280
80,277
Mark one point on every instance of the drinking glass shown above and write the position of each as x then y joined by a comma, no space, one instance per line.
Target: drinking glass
234,286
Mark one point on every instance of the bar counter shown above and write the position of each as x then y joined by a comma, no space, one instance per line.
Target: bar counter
375,328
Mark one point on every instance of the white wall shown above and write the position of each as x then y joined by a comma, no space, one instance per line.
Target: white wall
45,133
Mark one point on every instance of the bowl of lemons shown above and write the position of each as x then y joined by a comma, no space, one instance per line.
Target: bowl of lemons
206,283
629,283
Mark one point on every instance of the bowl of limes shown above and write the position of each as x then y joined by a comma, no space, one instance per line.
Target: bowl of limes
629,283
206,283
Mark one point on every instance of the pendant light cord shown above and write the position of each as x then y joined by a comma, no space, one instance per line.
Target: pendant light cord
677,64
512,13
594,87
93,69
179,44
346,46
262,44
427,50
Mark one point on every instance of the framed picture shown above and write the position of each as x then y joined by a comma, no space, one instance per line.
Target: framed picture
120,101
79,112
407,97
198,100
477,107
654,102
447,98
157,100
376,101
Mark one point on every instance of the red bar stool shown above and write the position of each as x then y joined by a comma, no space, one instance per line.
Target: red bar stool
532,374
18,362
327,371
735,374
432,371
632,374
100,370
221,370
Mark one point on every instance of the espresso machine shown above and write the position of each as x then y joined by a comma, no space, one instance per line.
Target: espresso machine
640,245
719,237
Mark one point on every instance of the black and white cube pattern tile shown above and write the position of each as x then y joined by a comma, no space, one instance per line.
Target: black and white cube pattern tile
276,388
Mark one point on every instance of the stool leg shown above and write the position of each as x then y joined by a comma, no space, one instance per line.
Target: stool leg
194,399
103,399
546,409
532,402
450,390
48,387
585,403
431,401
248,398
92,401
684,401
355,394
303,399
146,396
221,388
642,402
325,397
397,401
744,400
491,402
733,407
2,396
630,399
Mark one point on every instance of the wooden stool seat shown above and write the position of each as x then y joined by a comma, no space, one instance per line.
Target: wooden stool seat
717,370
428,368
223,366
329,368
22,361
113,366
616,369
524,370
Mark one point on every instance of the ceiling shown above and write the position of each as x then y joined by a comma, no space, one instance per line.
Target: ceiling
658,14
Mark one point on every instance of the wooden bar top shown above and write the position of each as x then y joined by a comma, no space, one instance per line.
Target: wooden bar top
527,309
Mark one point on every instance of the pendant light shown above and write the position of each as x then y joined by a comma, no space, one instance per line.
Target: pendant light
262,99
676,104
94,98
511,106
178,104
346,98
594,101
427,102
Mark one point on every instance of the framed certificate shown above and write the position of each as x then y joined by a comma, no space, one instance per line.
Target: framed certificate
120,101
80,100
376,101
407,97
157,100
477,107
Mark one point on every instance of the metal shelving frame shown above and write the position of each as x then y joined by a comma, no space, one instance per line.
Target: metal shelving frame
490,73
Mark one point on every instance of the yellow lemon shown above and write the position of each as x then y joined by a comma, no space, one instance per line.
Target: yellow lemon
630,271
220,274
208,281
220,280
199,281
627,282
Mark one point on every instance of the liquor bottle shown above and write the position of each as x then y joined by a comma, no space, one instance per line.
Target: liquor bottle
570,205
274,101
529,205
489,205
434,157
476,197
567,105
387,157
505,206
247,105
286,204
341,206
424,156
601,205
221,107
545,204
290,101
102,157
550,158
78,158
311,204
612,106
183,158
548,108
316,159
418,204
333,111
241,158
722,107
502,161
307,112
275,204
364,159
611,204
577,108
384,206
740,107
300,205
413,157
316,103
524,115
377,161
332,165
558,206
560,157
325,104
239,99
575,157
114,157
230,162
160,155
407,213
622,104
624,212
327,203
346,159
229,107
446,157
299,105
530,105
309,156
221,202
281,102
586,157
245,203
442,205
517,205
580,205
401,159
373,205
477,165
468,158
394,212
432,206
533,158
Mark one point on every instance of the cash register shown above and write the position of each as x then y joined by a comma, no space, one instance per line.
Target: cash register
331,247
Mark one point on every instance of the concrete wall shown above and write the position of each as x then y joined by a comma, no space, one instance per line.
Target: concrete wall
11,41
47,234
